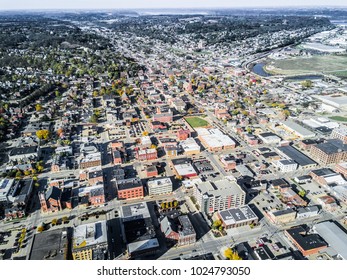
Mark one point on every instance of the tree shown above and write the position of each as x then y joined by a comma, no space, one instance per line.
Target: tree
40,229
27,172
306,84
64,219
286,113
163,205
145,133
38,107
153,146
54,222
302,193
249,129
232,254
94,118
19,174
39,167
175,203
42,134
216,224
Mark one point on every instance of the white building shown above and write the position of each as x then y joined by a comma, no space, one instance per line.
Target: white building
286,165
307,212
159,186
219,195
189,146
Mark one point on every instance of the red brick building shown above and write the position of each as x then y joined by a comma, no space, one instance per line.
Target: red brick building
148,154
183,134
130,188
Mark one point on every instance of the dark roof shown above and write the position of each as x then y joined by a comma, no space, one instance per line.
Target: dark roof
23,150
129,183
269,154
54,193
323,172
186,226
279,182
267,134
297,156
332,146
49,245
304,240
95,174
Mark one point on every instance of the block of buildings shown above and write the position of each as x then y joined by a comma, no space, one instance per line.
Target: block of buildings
331,151
289,152
159,186
297,130
90,160
219,195
269,138
286,165
179,231
183,134
89,241
340,133
50,245
130,188
215,140
236,217
147,154
308,244
282,216
335,237
190,147
228,162
185,170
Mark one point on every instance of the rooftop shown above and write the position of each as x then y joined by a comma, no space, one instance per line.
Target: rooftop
304,240
296,155
89,235
235,215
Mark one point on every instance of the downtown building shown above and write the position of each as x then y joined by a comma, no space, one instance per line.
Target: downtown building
219,196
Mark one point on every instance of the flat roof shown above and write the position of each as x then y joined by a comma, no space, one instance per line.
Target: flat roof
187,227
143,245
235,215
89,235
135,211
304,240
298,129
296,155
185,169
332,146
334,236
49,245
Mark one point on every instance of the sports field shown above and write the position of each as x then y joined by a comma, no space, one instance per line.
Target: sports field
196,122
327,64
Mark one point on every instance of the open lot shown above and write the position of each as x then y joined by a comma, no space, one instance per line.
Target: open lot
196,122
328,64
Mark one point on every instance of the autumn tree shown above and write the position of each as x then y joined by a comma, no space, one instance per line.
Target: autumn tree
232,254
38,107
42,134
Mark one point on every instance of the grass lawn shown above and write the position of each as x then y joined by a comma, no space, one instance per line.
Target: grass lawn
196,122
330,64
339,118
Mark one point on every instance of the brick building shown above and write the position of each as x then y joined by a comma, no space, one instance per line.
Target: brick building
332,151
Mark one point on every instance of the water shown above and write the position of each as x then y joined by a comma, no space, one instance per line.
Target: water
259,70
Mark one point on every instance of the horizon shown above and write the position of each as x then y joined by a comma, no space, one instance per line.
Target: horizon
40,5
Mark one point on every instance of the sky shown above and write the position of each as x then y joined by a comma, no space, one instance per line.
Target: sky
150,4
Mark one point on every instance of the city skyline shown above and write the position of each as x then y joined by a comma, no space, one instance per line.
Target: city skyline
155,4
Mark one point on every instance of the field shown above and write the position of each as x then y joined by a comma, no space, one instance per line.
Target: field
196,122
327,64
338,118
